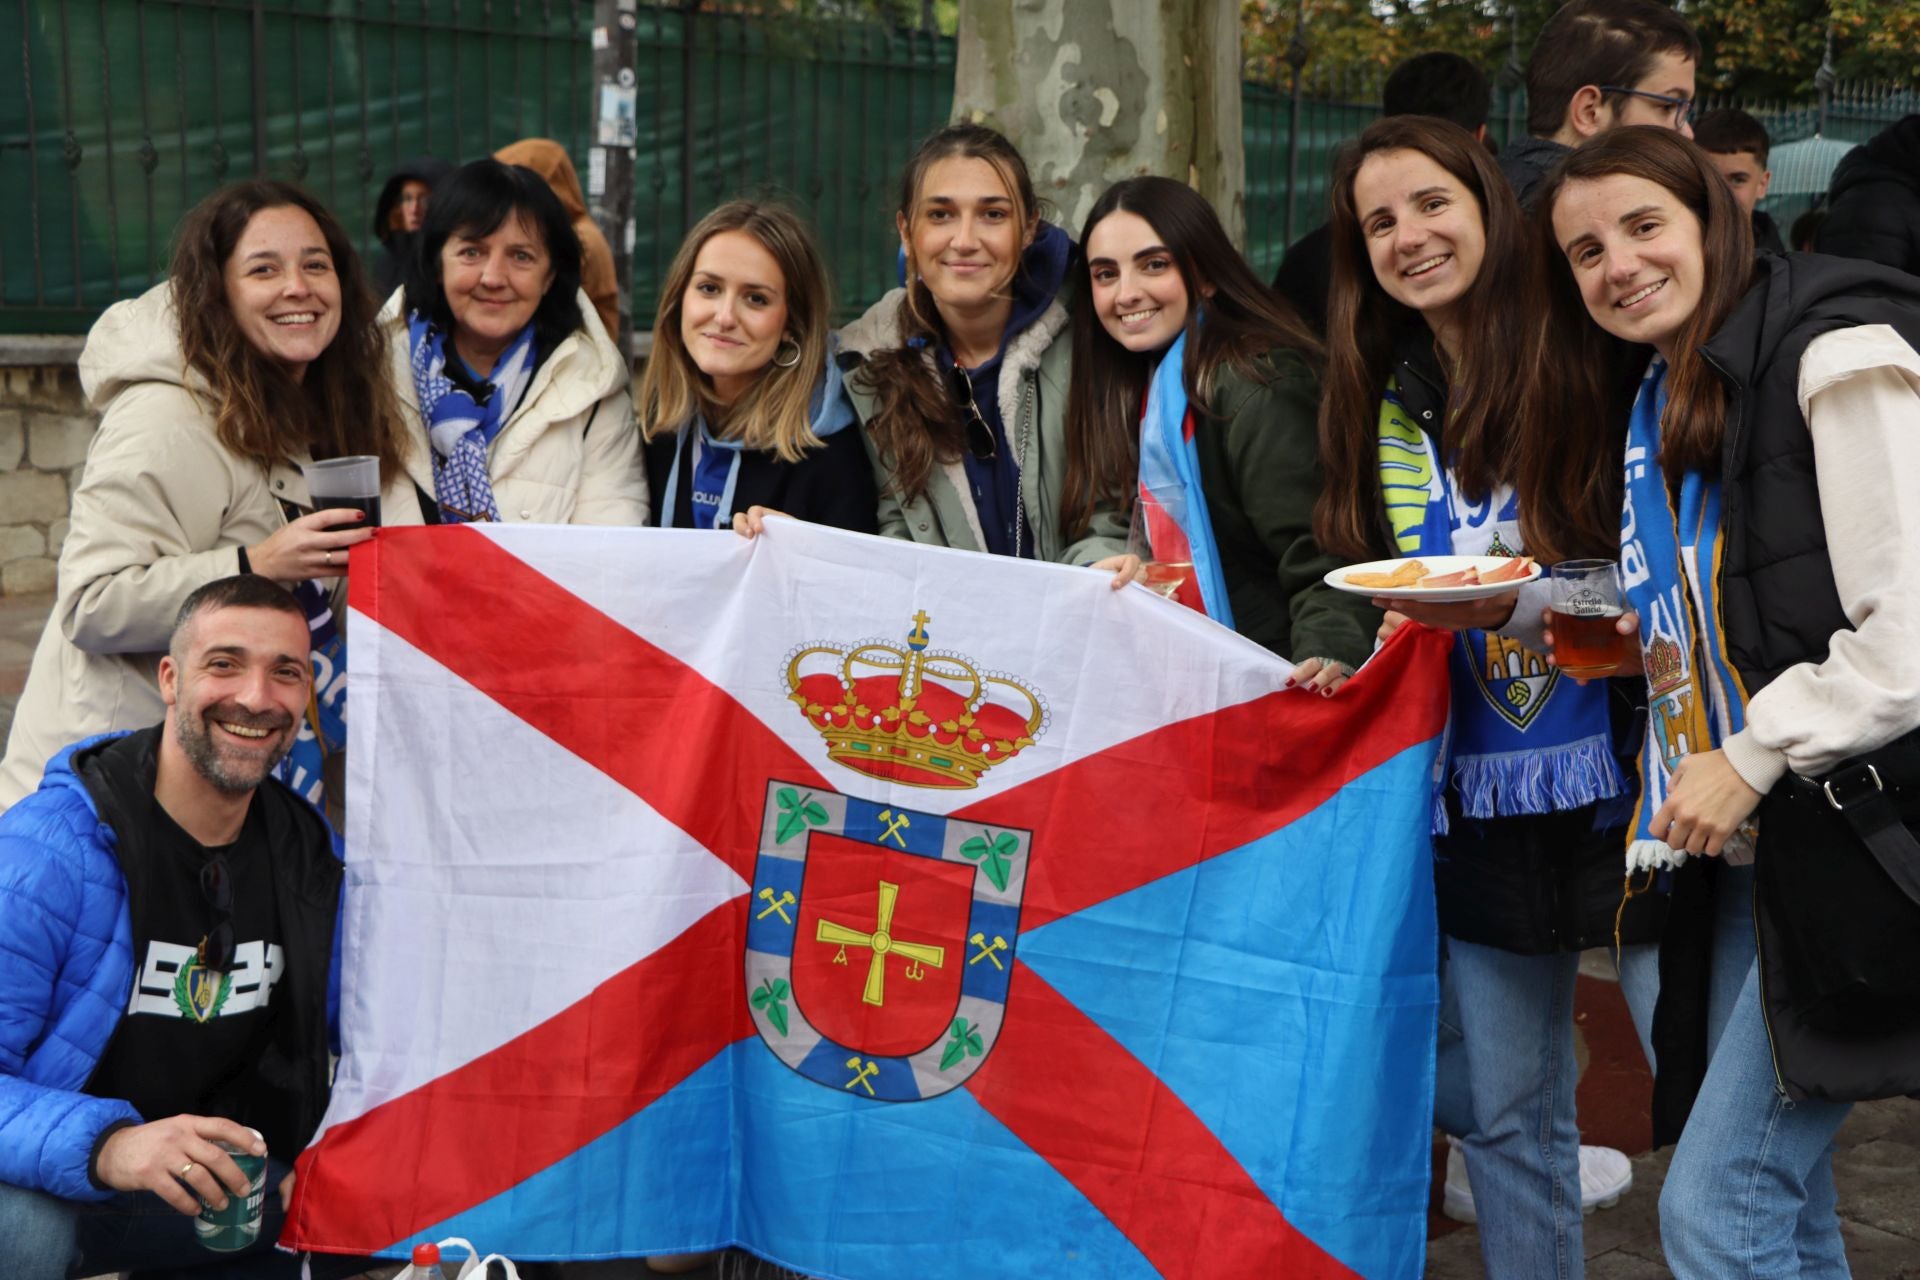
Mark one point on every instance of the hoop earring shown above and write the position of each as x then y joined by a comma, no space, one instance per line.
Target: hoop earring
778,363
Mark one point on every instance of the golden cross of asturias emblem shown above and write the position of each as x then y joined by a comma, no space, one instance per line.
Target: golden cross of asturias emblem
882,943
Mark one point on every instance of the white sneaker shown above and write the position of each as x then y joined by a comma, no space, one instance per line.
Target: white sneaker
1605,1176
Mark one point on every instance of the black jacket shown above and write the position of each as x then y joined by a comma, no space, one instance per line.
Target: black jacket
1780,608
831,485
1873,203
1766,233
1541,883
293,1073
1527,162
1305,277
388,267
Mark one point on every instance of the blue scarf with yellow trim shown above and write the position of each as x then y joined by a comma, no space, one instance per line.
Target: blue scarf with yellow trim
1523,740
1670,568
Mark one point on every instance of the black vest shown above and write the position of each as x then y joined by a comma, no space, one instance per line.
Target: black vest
1778,598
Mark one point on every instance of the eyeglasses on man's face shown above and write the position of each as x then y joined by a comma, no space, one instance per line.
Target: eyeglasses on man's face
1678,110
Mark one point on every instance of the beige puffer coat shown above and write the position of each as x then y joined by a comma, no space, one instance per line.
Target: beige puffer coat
570,454
161,510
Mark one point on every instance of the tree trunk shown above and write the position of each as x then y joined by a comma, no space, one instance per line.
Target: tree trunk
1092,91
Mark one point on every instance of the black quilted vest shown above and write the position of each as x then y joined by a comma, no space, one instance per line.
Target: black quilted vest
1776,582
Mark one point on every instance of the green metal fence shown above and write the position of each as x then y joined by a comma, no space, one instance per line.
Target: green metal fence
125,112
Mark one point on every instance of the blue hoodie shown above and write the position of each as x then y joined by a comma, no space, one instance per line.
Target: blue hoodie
996,482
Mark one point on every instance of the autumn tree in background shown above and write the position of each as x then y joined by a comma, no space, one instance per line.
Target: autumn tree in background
1751,48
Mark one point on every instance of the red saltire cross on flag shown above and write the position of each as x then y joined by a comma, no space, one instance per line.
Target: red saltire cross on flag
1056,1079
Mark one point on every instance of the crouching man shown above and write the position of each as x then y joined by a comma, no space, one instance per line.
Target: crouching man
167,920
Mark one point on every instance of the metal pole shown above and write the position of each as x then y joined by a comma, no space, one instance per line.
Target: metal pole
1823,81
610,175
1296,59
259,15
1513,75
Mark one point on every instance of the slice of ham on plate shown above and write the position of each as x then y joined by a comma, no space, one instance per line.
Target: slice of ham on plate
1518,569
1467,577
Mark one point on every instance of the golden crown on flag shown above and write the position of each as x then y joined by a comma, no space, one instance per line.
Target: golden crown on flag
927,718
1664,666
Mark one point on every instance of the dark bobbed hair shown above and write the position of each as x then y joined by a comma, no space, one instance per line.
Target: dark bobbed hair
1244,320
915,422
1726,130
1438,84
1596,42
1501,379
1694,424
343,404
241,591
474,201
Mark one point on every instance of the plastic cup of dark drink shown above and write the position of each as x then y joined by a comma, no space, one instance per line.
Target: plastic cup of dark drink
1586,610
346,482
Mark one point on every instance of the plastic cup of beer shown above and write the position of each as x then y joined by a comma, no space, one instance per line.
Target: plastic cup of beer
1586,608
237,1226
1165,577
353,481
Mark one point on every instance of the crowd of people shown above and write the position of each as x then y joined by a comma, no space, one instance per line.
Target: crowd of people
1587,346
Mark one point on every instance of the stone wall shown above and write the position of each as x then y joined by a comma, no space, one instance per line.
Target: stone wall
44,432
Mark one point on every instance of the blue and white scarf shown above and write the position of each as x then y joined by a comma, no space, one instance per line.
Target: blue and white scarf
1172,501
1670,567
1522,740
459,427
716,474
323,730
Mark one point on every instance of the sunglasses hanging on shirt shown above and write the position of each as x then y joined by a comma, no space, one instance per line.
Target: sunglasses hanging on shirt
980,440
216,886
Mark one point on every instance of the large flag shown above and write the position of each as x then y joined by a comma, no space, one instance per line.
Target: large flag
889,911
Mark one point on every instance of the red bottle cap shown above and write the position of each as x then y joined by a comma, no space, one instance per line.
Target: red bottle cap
426,1255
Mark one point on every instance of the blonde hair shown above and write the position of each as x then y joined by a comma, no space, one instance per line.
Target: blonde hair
772,417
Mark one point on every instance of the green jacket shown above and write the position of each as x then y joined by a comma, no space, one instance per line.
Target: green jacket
1260,468
1033,405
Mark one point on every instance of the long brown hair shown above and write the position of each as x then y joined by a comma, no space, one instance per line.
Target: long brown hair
916,423
1498,384
1243,321
1694,423
772,416
342,405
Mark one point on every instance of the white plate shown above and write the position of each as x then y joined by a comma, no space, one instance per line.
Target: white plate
1435,565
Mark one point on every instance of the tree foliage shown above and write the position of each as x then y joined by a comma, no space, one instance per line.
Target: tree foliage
1750,48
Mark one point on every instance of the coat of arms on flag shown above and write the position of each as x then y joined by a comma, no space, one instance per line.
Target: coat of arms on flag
1050,927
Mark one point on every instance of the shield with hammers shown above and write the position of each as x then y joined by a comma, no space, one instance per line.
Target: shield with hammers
882,936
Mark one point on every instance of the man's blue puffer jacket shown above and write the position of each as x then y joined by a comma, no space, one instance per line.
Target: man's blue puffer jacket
66,969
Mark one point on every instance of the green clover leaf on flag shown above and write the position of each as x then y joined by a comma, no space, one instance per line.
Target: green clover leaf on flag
998,856
797,813
771,999
965,1043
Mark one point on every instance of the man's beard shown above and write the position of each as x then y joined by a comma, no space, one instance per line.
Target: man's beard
196,737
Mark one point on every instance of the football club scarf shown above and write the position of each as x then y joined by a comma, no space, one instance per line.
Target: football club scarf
1670,567
1523,740
459,427
324,728
1172,502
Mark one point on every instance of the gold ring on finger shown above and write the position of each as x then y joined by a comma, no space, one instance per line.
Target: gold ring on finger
186,1169
327,558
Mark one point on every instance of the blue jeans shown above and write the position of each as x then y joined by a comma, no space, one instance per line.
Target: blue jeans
1505,1087
43,1237
1750,1191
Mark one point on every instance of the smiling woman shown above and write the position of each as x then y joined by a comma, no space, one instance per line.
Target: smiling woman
257,355
1772,440
742,405
520,410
